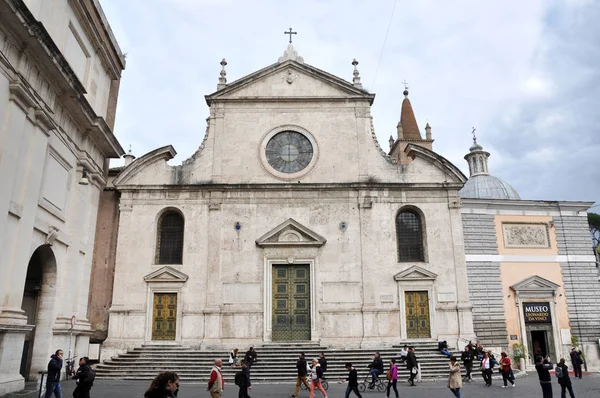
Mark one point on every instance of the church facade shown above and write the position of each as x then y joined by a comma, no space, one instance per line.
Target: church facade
289,223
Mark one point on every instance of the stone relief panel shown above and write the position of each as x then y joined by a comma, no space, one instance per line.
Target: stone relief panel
525,235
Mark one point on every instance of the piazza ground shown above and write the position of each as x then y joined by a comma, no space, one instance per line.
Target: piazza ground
527,386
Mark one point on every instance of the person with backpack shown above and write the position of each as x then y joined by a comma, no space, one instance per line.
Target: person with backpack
242,380
392,377
562,373
302,368
85,377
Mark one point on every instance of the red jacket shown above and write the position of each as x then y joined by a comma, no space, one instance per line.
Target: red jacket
213,378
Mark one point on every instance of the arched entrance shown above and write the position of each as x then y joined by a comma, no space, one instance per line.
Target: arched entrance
38,303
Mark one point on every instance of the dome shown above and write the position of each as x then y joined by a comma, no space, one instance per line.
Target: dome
485,186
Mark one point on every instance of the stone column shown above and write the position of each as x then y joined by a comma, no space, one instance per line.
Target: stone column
212,309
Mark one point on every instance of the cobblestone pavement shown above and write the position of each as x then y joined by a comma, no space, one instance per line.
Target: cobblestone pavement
528,386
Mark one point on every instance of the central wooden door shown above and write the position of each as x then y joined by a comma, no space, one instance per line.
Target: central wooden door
291,302
417,315
164,316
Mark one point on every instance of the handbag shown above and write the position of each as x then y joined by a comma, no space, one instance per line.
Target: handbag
388,375
414,371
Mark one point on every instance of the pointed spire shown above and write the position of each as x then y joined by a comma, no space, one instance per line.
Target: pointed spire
408,122
222,76
128,157
356,79
392,141
477,158
427,131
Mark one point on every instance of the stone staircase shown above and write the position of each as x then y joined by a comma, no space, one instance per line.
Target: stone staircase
276,362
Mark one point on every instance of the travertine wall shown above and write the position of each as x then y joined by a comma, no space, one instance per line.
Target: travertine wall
50,131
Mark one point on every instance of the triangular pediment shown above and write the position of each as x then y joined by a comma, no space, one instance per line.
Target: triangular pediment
291,233
166,274
415,273
289,80
535,284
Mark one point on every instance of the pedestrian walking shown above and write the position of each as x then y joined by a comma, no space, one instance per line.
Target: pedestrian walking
84,378
323,363
467,357
487,368
412,365
53,380
216,382
506,369
316,374
576,361
352,381
244,382
392,377
562,373
164,385
302,368
454,380
543,367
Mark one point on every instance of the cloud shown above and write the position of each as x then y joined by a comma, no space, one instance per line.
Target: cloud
523,72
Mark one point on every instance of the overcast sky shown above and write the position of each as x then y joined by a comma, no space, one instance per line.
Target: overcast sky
526,74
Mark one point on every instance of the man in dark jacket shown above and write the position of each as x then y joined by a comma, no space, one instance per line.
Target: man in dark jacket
412,365
84,379
53,380
467,358
376,369
576,361
352,381
323,362
245,384
251,357
564,380
543,367
302,368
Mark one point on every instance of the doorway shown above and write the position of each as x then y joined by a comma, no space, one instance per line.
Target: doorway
291,303
539,343
164,319
418,324
38,305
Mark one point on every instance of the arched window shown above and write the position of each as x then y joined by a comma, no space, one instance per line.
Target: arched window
409,235
169,247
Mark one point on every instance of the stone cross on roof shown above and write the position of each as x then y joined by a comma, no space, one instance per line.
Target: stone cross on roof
290,33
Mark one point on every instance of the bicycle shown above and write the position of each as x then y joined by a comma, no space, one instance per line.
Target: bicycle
324,384
380,385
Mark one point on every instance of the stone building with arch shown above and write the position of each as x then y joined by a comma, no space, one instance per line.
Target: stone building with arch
60,69
289,223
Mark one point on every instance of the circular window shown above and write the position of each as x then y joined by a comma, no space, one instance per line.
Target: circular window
289,152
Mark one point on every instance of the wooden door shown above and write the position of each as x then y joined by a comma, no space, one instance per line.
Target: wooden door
164,317
291,302
417,315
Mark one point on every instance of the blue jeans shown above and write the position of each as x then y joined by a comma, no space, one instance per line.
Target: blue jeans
354,390
53,387
374,373
446,352
456,392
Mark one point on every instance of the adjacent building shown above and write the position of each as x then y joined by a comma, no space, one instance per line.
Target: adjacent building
60,68
531,268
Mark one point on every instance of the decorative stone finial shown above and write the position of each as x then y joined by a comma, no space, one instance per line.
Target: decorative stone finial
223,76
392,141
356,79
291,54
427,131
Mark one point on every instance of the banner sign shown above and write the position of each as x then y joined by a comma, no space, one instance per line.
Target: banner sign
537,312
